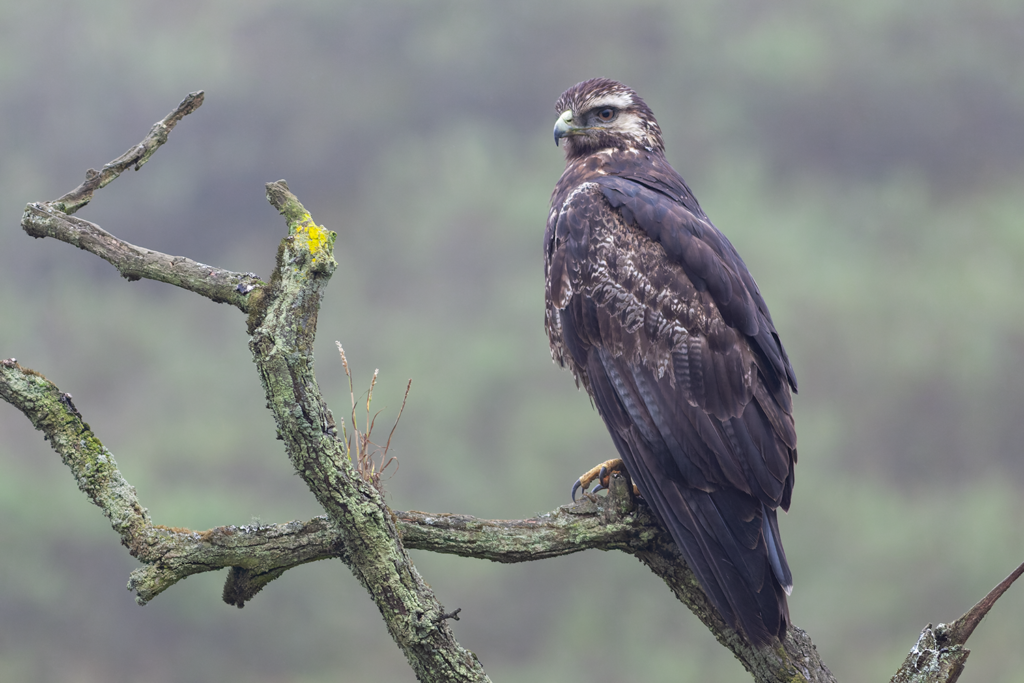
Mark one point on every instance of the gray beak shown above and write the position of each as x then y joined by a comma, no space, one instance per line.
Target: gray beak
564,126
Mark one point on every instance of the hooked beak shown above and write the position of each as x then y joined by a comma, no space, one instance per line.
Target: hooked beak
564,126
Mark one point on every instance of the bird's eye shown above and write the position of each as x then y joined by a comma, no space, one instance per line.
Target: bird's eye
606,114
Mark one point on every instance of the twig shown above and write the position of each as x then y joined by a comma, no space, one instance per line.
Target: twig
960,630
365,449
387,446
135,156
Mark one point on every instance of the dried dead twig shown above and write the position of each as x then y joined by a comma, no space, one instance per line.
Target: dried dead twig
369,458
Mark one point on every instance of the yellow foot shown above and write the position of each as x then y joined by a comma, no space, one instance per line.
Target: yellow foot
601,474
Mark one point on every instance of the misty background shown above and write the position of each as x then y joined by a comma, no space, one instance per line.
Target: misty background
866,159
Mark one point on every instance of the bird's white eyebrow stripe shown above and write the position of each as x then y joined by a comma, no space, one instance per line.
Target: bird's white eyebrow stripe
617,100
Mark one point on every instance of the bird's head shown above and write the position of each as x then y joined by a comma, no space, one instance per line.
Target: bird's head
604,114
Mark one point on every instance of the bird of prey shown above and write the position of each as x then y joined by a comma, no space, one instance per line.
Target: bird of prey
657,316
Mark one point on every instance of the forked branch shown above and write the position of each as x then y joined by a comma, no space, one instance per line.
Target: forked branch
54,219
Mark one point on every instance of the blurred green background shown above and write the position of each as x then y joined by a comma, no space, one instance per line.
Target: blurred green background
867,159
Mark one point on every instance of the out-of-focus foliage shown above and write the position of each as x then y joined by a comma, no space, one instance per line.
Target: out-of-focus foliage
865,158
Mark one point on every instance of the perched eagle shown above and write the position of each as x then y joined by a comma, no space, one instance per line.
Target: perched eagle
658,318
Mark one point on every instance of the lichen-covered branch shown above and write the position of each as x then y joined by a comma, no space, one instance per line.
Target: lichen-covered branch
54,414
170,554
569,529
361,529
591,524
931,662
257,554
283,329
939,654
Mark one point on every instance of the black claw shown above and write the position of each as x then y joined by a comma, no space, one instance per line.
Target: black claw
575,488
602,475
597,488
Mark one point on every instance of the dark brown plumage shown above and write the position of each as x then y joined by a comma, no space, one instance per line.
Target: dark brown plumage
658,318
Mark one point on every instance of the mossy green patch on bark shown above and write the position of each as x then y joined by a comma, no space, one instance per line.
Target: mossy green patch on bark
93,466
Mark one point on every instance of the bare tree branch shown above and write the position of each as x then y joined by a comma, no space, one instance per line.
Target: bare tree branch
959,631
359,527
136,156
54,219
45,219
283,329
257,554
930,662
53,413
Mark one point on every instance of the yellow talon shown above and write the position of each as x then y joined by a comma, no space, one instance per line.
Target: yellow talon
600,473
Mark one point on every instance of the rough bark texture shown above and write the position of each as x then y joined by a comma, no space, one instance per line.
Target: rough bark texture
929,662
359,528
134,263
282,345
